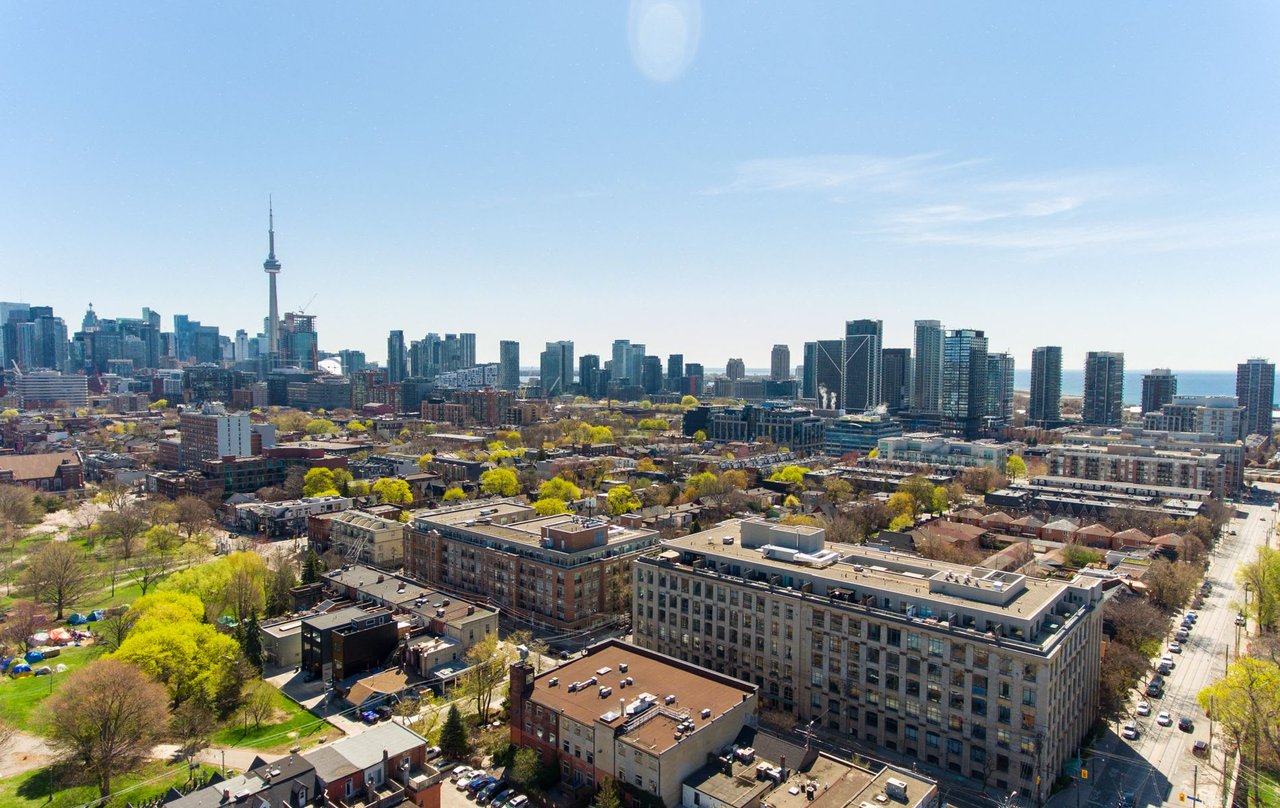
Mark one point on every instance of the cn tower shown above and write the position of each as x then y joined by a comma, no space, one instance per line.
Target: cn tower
272,268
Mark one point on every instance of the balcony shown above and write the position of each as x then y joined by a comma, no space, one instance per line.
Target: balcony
383,796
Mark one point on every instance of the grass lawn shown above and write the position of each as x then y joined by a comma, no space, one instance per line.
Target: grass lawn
126,592
1268,788
152,780
274,736
19,698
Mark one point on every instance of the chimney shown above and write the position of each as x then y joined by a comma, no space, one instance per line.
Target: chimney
782,764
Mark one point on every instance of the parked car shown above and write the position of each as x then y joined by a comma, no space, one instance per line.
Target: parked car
1144,708
1186,724
1130,731
458,772
480,782
1164,719
1182,635
518,801
433,752
383,711
484,795
467,779
1190,616
1241,620
500,799
369,717
1175,647
1200,748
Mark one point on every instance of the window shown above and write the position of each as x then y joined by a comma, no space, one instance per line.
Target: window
913,642
931,740
954,747
935,647
1028,697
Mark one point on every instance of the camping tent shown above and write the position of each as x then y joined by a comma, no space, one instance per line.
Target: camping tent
77,619
20,670
35,656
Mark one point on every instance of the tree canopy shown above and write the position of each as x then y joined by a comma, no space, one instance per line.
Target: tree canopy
454,494
559,488
319,482
621,499
501,482
393,490
791,475
320,426
549,506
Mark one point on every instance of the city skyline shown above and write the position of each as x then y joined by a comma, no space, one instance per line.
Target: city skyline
449,156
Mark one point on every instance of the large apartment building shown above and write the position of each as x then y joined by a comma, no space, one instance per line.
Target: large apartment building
561,571
990,675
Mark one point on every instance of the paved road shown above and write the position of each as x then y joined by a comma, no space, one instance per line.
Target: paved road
1159,766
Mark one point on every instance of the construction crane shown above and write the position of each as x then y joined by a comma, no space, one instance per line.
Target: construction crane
307,305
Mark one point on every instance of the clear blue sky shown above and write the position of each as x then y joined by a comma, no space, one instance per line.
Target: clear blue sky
708,179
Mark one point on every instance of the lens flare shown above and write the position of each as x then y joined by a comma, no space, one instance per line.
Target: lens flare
663,35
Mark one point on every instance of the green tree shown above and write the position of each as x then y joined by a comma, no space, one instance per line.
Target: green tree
1261,579
105,718
791,475
652,425
559,488
902,504
192,660
902,522
791,501
454,494
453,736
549,506
158,404
425,461
393,490
1016,467
837,490
318,482
1247,705
525,767
310,567
280,582
608,796
689,402
939,499
488,660
356,427
620,500
500,482
342,481
699,435
250,641
320,426
920,490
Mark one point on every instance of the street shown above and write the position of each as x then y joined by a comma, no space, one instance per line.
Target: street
1160,766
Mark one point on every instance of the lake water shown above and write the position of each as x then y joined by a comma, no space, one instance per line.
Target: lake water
1190,383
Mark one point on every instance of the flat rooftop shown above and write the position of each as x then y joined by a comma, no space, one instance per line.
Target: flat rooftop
387,588
868,575
654,675
515,524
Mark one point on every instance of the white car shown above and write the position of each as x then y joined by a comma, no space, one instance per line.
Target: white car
1130,731
518,801
1164,719
1175,648
1144,708
1167,659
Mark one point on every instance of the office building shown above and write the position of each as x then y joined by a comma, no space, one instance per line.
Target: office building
508,364
926,384
353,362
299,344
675,373
693,377
1103,388
796,428
467,351
49,389
999,389
592,381
563,571
214,434
395,357
627,713
1045,408
895,378
556,364
735,369
929,449
651,374
991,675
621,359
964,382
858,433
862,346
780,363
1124,461
1256,392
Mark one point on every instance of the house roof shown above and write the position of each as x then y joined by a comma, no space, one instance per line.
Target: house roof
1062,524
999,517
365,749
378,684
1133,535
1096,530
37,466
1027,521
951,531
969,513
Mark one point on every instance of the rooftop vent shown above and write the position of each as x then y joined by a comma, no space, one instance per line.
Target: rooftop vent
553,681
706,712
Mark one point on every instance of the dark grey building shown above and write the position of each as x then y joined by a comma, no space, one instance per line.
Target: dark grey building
964,382
508,364
1045,409
999,389
675,372
780,363
1256,392
1103,388
895,378
926,383
651,374
1158,388
862,340
395,357
557,368
591,381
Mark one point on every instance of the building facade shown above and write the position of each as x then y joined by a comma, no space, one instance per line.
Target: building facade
926,377
559,571
990,675
1103,388
1158,388
508,364
964,382
1045,407
895,378
780,363
1256,392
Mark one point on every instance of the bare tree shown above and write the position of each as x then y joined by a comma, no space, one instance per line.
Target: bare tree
259,703
125,527
193,516
23,619
148,569
114,628
106,718
191,726
18,506
57,574
1136,622
113,494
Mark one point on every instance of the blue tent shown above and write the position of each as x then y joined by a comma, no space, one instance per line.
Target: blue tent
35,656
21,669
96,614
4,663
77,619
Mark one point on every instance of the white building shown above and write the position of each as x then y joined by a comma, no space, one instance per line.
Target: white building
49,389
934,449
